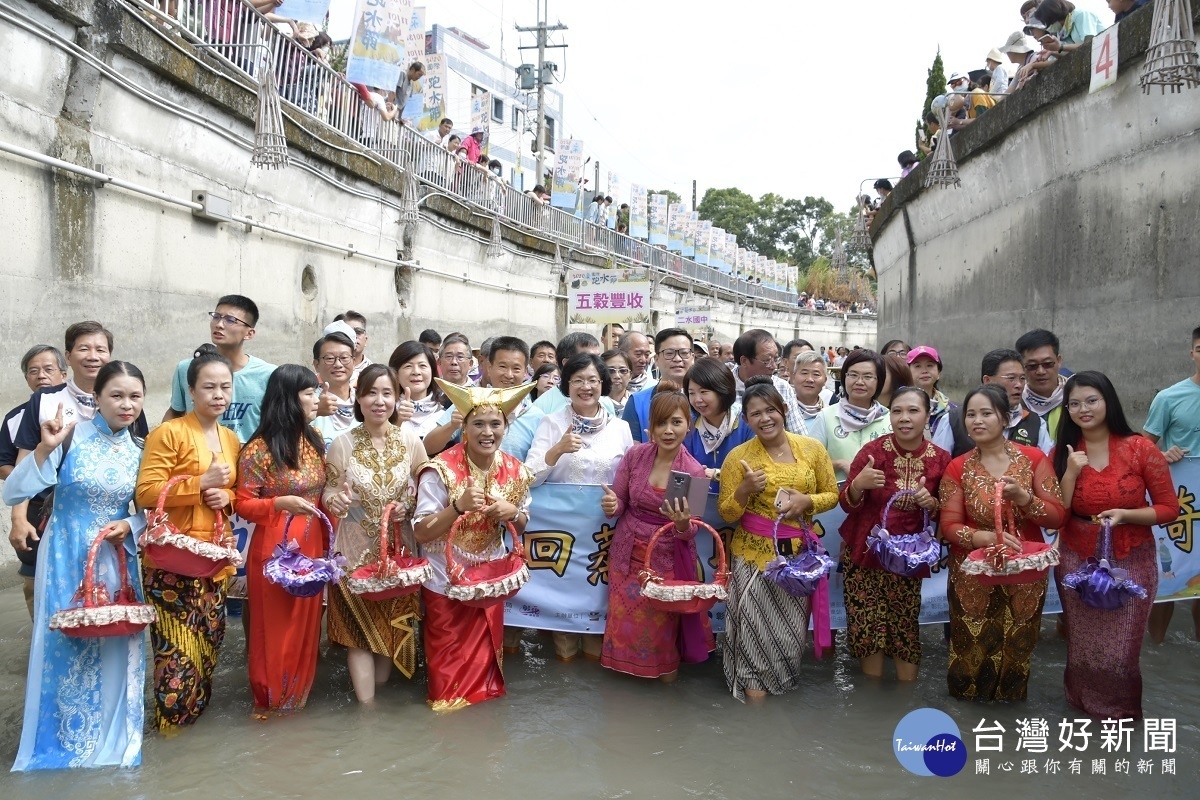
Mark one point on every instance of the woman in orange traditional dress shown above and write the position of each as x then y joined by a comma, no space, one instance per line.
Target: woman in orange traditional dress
281,473
191,611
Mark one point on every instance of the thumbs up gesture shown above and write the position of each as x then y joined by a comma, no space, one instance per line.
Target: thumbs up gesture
339,503
327,403
569,443
216,476
754,480
870,477
473,497
405,407
924,498
1075,461
608,503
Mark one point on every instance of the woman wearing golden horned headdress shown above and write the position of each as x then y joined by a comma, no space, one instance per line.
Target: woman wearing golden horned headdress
486,488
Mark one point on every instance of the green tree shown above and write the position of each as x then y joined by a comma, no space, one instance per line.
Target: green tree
730,209
803,222
935,84
672,197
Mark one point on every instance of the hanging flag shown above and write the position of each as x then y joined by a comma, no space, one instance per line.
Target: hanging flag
377,55
639,223
658,219
703,254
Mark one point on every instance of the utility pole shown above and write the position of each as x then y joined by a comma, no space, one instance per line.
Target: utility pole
693,194
542,79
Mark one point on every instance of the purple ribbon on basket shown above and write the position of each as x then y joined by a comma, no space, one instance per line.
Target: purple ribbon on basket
804,574
910,555
1099,583
296,573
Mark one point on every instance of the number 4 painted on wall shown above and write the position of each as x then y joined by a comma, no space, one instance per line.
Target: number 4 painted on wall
1104,59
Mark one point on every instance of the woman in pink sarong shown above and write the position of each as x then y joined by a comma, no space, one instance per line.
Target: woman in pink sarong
639,639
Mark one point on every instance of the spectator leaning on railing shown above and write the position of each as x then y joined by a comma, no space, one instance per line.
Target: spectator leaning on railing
1061,26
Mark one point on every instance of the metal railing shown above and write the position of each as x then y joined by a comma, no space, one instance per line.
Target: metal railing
308,85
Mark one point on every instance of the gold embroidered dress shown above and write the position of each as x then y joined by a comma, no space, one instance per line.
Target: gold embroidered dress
376,479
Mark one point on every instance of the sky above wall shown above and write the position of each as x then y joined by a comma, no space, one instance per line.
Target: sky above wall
795,98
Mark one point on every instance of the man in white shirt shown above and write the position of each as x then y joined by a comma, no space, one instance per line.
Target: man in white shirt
756,353
996,62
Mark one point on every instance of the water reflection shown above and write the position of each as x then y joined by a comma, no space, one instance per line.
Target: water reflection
576,731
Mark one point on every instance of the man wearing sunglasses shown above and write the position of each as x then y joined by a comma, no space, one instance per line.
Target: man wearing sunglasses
230,326
1044,377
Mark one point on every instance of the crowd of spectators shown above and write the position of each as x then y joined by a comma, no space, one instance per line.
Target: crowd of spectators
1049,29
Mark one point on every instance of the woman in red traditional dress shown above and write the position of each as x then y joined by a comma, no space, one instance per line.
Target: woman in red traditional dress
993,629
1106,471
480,488
883,609
281,472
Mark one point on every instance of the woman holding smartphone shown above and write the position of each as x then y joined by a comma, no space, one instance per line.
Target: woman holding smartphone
639,640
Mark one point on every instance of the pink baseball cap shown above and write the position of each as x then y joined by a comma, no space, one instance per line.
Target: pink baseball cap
923,350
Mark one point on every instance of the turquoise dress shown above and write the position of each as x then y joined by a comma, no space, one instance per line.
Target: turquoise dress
83,697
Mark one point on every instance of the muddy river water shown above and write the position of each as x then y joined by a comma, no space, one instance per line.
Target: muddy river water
577,731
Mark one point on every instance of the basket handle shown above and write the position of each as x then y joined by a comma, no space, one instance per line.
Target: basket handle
718,545
329,533
887,509
171,483
1106,527
1004,510
92,594
453,567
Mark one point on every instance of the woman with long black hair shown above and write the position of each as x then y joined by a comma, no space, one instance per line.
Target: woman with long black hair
1107,471
281,473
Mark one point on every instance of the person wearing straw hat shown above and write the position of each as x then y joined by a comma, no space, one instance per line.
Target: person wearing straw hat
475,490
996,62
83,696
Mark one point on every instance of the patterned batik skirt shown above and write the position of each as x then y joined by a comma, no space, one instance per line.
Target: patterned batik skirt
765,633
882,613
993,630
185,640
384,627
1104,647
640,639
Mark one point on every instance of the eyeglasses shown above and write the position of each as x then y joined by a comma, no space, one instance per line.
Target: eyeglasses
896,352
329,361
34,372
584,383
1011,378
1041,366
1085,405
229,319
359,331
768,363
862,377
618,371
682,354
454,359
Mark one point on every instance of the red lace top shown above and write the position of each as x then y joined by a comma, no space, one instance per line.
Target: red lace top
902,470
968,497
1135,468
